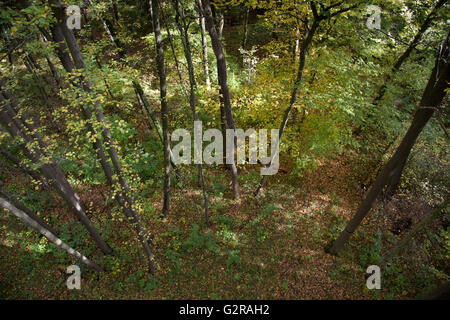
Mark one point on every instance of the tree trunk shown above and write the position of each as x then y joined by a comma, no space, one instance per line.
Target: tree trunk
142,98
172,47
47,233
164,107
221,25
115,10
324,14
394,180
244,40
181,24
223,82
431,99
204,45
440,293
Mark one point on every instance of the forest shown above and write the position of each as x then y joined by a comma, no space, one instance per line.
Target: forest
224,149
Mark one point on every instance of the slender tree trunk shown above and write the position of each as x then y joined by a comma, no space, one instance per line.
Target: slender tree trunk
297,44
172,47
221,23
115,10
61,48
440,293
54,72
244,40
47,233
108,89
142,98
164,107
107,29
431,99
181,23
223,82
394,180
204,45
325,13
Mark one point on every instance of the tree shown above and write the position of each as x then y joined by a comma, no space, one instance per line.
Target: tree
413,45
183,28
223,82
164,107
432,98
120,184
20,127
204,44
324,13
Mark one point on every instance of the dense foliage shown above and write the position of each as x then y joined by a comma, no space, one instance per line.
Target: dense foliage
347,93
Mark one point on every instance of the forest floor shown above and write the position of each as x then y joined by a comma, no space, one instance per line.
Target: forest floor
269,248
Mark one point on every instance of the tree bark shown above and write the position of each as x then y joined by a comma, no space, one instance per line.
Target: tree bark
33,174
